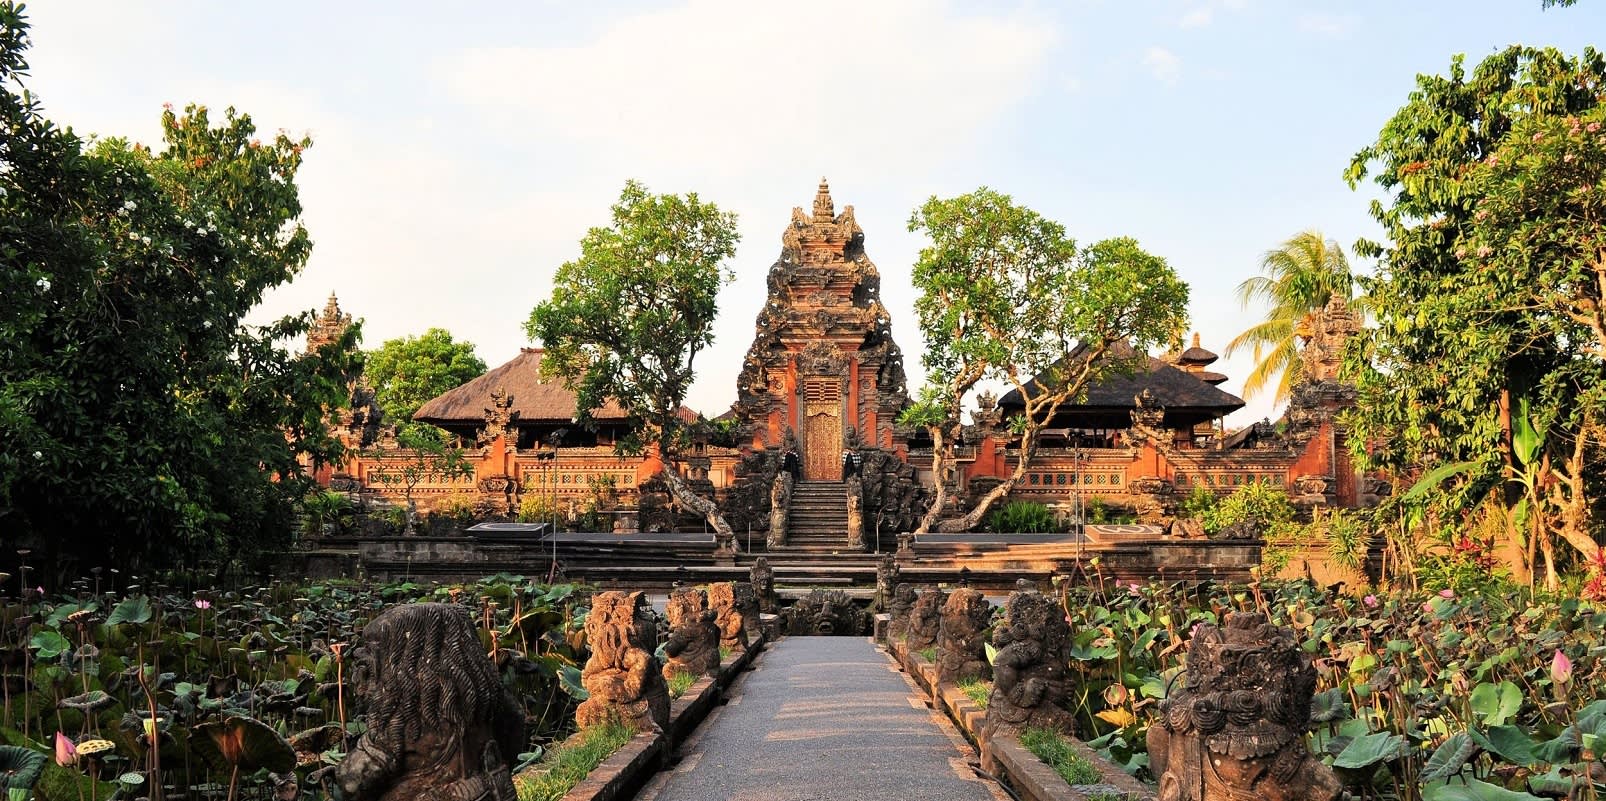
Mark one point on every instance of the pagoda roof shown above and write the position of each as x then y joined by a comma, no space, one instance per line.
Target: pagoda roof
1172,387
534,398
1195,354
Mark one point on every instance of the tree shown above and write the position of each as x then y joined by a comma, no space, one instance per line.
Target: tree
422,455
628,318
1485,357
1300,277
140,423
409,371
1005,294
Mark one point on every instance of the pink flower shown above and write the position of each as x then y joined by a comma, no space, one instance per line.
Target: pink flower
1561,668
1370,601
1592,127
66,752
202,603
1446,593
1427,607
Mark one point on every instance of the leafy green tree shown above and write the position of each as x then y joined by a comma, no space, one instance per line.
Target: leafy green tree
1486,353
140,423
1005,294
628,318
409,371
422,455
1300,277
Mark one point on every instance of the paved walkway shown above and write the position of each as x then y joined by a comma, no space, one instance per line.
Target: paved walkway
823,718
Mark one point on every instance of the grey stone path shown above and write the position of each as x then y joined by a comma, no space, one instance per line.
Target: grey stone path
823,718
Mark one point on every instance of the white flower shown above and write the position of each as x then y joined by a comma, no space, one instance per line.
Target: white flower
129,205
38,455
44,284
145,240
133,236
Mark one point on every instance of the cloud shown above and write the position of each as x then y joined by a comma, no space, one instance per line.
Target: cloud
1163,64
1329,25
1197,18
734,85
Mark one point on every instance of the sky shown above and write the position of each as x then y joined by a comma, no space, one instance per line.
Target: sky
459,155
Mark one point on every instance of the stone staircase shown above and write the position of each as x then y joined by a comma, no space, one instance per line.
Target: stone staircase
818,518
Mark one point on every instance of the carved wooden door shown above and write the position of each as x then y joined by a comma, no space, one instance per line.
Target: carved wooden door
822,429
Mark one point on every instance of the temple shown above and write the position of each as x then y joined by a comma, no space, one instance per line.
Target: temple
824,376
822,363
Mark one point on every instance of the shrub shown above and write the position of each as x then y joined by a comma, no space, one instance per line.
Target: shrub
1201,505
1261,503
1024,517
536,509
458,507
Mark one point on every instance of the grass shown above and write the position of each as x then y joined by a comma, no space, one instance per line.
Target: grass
563,767
1105,797
928,654
724,654
679,682
1055,751
977,691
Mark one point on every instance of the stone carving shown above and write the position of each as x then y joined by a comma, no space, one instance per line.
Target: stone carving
622,674
962,637
1235,729
1154,499
1311,491
762,577
855,493
440,724
735,612
780,505
1030,667
825,613
329,327
1325,333
893,497
901,603
925,618
501,420
693,643
886,579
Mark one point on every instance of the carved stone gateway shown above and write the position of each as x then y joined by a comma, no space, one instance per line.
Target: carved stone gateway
925,619
440,724
735,612
622,674
1236,727
693,645
1030,668
962,640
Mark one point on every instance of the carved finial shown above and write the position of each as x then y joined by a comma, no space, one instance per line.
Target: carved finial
329,326
824,209
1196,339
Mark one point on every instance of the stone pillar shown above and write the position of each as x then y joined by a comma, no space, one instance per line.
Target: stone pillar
962,637
855,492
1236,727
780,501
693,645
622,675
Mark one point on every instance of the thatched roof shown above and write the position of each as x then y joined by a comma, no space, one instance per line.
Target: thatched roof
1174,388
536,399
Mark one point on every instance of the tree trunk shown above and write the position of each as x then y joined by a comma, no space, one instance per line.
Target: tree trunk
941,466
973,518
691,500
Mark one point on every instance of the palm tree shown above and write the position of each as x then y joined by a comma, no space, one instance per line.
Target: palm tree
1300,277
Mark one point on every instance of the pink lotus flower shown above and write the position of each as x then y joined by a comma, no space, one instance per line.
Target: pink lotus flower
66,752
1427,607
202,603
1447,593
1561,668
1370,601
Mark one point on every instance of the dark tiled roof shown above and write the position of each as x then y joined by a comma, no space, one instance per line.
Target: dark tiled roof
1174,388
536,399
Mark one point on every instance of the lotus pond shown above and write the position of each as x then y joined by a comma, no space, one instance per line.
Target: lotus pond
162,694
1426,695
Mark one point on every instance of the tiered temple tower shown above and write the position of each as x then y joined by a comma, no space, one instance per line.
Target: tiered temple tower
823,364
